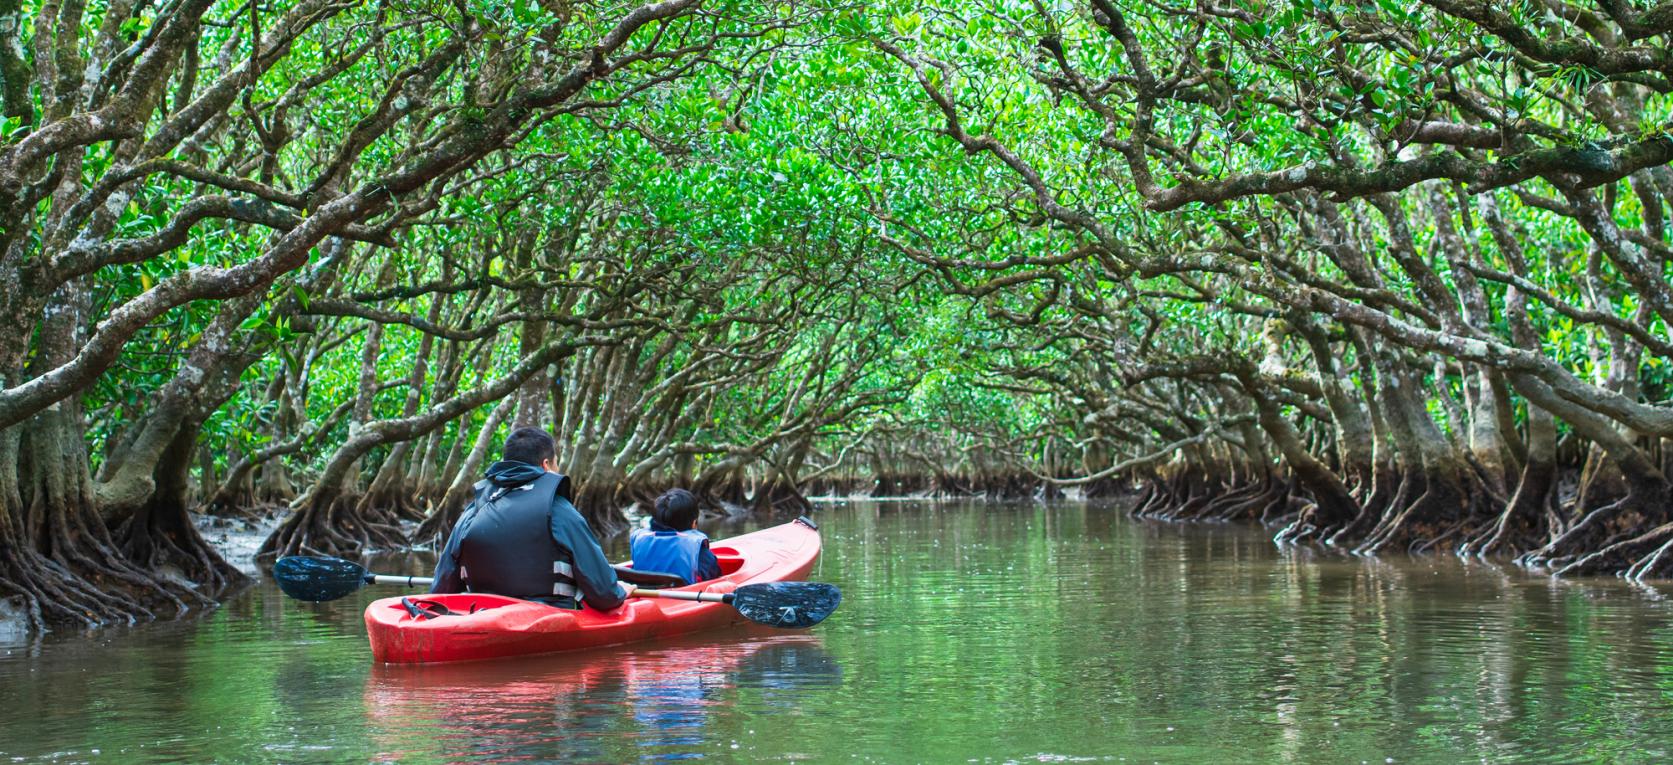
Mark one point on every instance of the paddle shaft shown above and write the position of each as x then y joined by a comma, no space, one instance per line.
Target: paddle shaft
409,581
706,597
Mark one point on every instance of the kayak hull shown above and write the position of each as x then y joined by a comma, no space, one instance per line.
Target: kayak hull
485,626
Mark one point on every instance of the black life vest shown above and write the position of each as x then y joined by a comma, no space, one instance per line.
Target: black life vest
508,548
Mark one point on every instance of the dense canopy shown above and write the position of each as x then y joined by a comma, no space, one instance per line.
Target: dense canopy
1380,275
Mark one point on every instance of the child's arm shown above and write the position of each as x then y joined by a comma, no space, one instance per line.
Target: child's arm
708,566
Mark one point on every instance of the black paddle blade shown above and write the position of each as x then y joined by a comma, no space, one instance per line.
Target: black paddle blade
318,579
787,604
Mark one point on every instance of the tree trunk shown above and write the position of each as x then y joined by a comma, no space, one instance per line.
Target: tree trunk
459,491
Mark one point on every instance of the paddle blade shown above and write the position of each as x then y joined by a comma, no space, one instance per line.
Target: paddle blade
787,604
318,579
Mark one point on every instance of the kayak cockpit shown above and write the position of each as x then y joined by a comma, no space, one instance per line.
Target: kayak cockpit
424,608
730,560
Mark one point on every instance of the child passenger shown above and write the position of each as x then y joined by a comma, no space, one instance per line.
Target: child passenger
672,544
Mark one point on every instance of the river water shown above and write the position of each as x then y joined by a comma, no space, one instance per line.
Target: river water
968,633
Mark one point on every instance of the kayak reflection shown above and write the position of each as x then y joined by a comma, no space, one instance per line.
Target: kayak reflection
664,701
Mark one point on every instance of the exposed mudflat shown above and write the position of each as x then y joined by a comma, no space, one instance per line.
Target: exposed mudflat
238,540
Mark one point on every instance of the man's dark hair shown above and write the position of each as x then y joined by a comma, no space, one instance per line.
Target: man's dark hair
531,445
676,508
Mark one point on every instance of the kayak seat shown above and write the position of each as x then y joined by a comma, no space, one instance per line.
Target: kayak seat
650,580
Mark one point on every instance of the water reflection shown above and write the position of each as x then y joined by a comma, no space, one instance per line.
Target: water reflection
968,632
667,701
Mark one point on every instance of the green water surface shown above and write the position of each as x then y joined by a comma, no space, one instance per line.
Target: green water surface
968,633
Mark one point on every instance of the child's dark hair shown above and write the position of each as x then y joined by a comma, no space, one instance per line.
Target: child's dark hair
676,509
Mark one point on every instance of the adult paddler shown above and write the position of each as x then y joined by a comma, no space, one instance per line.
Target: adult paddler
521,537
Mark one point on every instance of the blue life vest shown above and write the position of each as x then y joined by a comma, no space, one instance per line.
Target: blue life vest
671,552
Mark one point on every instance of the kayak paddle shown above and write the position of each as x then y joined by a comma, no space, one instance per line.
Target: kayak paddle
776,604
793,605
320,579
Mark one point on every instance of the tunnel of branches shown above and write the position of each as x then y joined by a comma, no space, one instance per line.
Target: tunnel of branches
1377,277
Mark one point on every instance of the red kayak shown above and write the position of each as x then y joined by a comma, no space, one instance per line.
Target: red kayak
484,626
